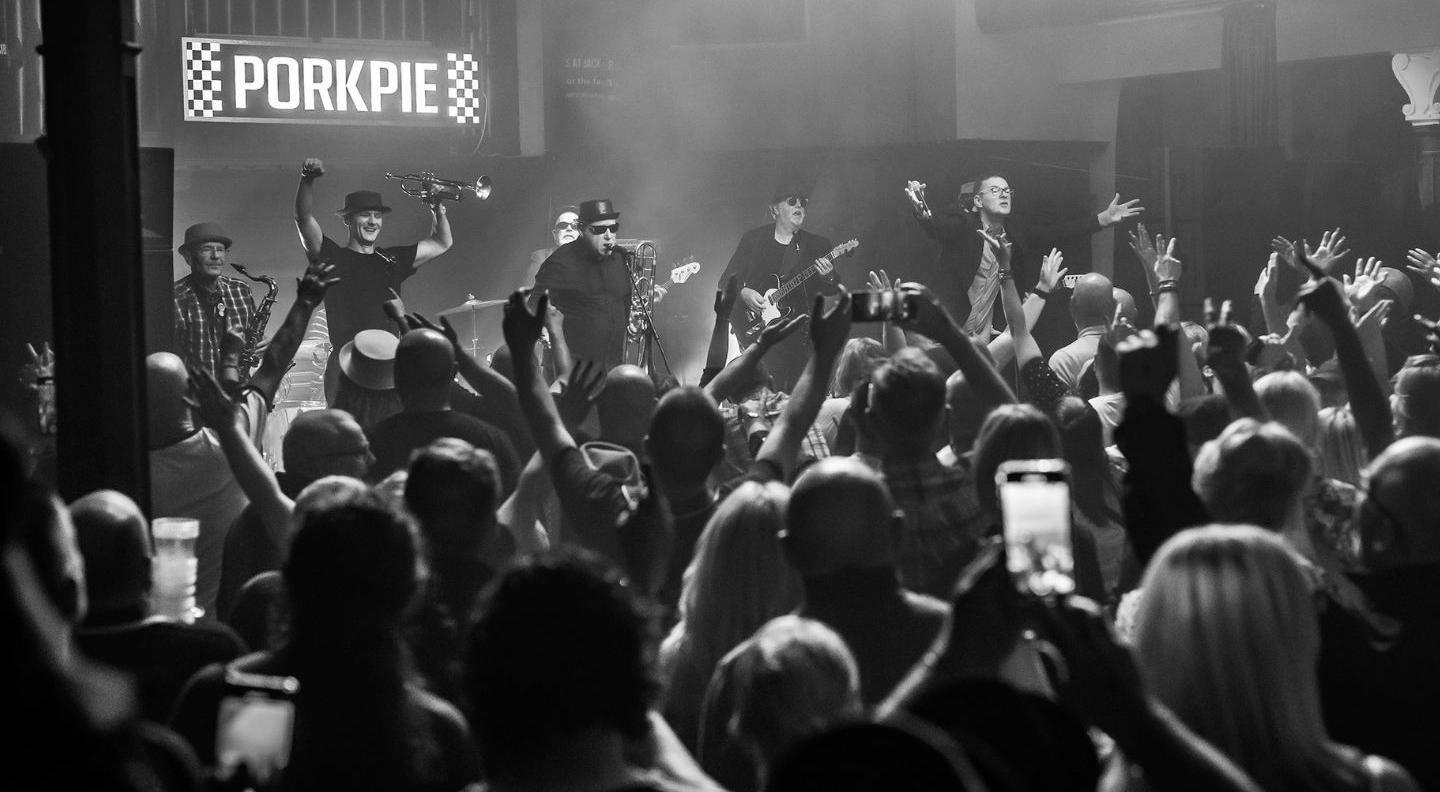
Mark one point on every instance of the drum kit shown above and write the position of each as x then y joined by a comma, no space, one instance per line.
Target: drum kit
484,323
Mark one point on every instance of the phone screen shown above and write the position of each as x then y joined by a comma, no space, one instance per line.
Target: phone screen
881,306
255,725
1070,280
1035,503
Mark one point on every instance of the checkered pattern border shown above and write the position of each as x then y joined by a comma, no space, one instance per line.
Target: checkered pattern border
202,79
465,98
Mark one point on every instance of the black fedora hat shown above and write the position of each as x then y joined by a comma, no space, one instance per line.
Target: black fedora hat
363,201
595,211
204,232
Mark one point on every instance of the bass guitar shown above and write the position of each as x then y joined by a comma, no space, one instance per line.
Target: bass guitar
774,306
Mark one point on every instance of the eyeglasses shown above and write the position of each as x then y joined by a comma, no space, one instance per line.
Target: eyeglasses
206,250
567,225
1001,192
799,201
602,230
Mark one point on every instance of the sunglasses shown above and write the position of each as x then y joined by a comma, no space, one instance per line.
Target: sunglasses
797,201
1001,192
602,230
570,225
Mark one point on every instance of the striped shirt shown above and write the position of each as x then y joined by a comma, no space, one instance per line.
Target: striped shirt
202,317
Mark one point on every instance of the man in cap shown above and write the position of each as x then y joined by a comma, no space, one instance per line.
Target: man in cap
206,302
763,258
589,282
367,272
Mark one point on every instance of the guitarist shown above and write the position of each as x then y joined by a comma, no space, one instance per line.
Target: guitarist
764,258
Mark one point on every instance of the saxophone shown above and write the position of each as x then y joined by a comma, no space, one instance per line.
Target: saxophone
255,332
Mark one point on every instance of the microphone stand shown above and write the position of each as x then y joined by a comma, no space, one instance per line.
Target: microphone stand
650,331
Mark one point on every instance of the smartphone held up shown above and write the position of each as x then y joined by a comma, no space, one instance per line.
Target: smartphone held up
884,305
1035,506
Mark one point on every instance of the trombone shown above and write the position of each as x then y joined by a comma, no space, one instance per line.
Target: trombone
431,189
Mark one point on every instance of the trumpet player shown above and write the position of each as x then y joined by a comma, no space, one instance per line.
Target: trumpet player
206,302
366,271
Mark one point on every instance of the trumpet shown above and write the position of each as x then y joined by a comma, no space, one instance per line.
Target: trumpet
431,189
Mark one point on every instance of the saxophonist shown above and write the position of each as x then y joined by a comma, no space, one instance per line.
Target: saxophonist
207,303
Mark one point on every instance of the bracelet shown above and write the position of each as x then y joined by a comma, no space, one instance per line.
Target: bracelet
1043,294
1004,274
1167,286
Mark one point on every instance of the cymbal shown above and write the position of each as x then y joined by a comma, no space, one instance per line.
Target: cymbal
471,305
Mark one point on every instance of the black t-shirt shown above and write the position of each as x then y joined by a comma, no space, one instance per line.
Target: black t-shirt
394,438
689,520
355,303
594,295
161,655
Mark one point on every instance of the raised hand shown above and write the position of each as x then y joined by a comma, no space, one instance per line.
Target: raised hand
1142,246
1226,348
1329,252
780,329
1002,248
394,308
1052,271
579,394
1374,319
1118,211
1424,264
1286,250
215,408
1266,284
1148,362
1360,290
726,295
881,281
521,326
830,329
1166,266
312,168
318,278
415,321
930,318
913,189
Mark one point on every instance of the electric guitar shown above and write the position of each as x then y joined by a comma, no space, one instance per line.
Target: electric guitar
773,306
637,323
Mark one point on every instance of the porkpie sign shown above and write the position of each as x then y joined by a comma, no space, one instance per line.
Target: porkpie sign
284,82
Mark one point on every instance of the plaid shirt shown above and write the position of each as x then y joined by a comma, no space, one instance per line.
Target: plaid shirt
942,521
201,318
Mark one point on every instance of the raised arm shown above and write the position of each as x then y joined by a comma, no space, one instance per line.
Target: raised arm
719,348
1325,300
439,240
743,368
1225,355
309,293
1052,277
522,330
310,234
520,513
932,321
255,478
828,331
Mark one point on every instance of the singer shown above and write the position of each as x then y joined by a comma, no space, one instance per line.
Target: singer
589,283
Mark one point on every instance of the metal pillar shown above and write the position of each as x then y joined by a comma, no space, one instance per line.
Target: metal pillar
93,165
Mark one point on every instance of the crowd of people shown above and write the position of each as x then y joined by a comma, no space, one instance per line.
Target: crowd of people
542,573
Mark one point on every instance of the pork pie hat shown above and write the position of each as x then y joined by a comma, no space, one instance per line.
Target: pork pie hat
363,201
201,233
597,210
368,359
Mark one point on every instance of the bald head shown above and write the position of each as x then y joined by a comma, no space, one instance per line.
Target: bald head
965,413
1093,302
624,407
166,384
687,437
1402,484
840,517
325,443
424,363
115,543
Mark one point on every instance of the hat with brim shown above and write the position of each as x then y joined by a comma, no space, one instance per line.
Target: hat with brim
369,359
204,232
595,211
363,201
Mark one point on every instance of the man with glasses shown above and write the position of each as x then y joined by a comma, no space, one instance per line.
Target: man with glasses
206,302
565,229
966,275
764,257
589,283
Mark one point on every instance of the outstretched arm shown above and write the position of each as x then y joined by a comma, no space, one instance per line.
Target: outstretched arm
522,330
309,293
1323,297
828,331
520,512
439,240
933,321
310,234
255,478
742,369
719,348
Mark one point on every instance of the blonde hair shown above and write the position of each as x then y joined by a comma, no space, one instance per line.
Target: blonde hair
794,678
1228,638
1292,402
737,580
1339,449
